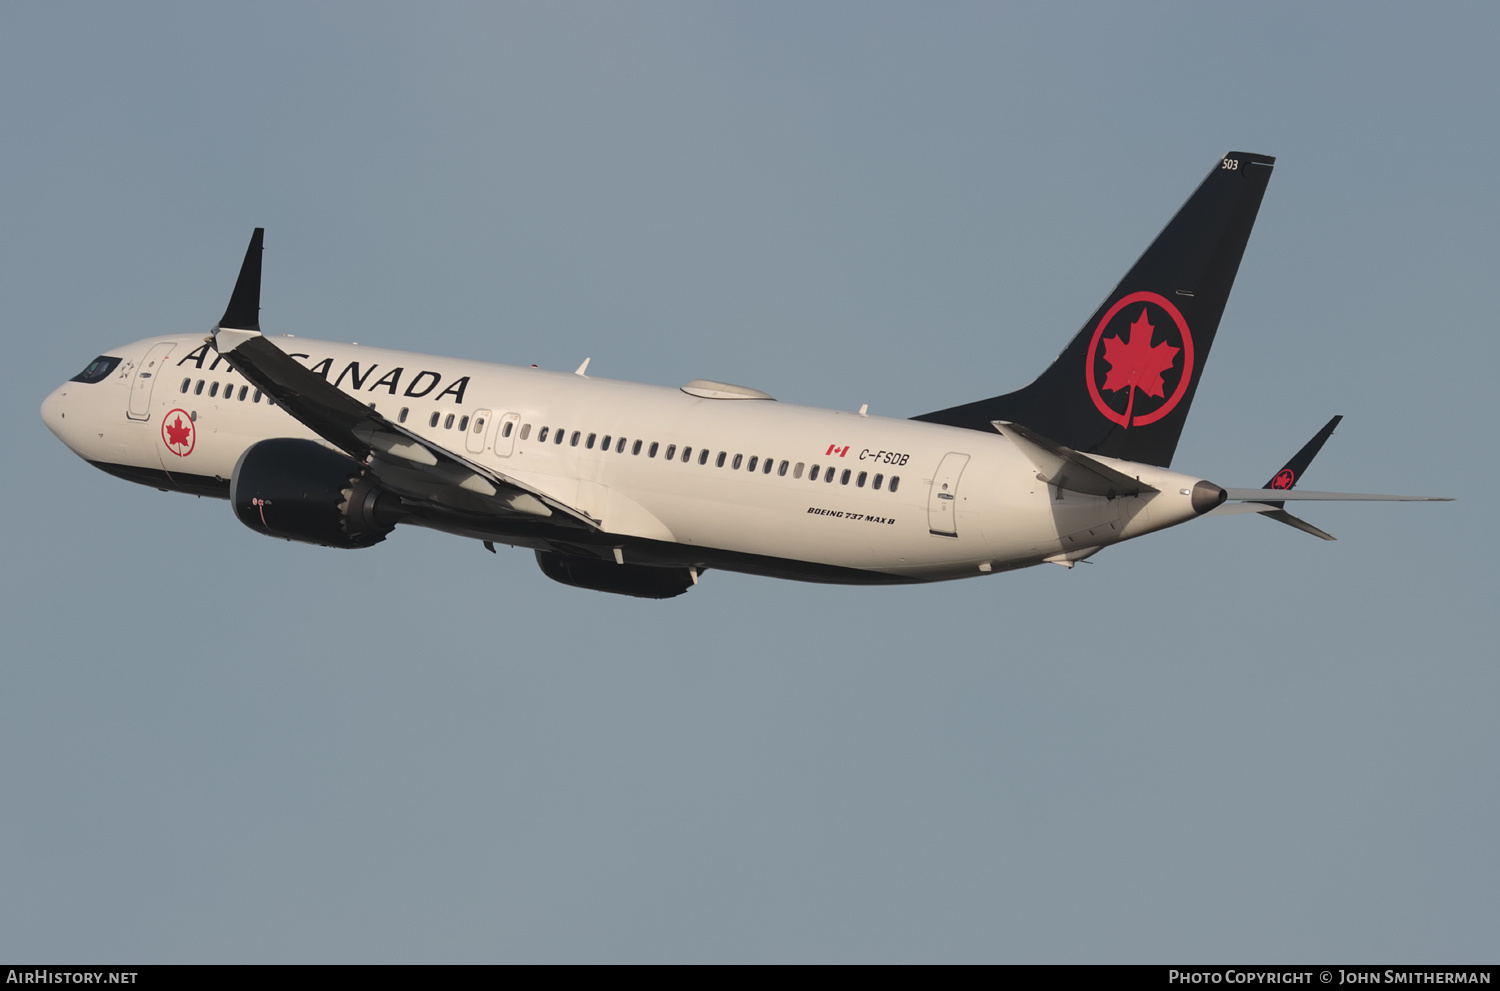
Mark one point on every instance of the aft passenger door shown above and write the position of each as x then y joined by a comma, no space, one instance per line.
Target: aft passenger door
942,503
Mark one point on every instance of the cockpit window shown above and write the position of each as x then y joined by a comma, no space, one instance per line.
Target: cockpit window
97,370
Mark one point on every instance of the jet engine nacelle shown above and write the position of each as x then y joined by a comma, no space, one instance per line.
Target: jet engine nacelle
300,490
640,580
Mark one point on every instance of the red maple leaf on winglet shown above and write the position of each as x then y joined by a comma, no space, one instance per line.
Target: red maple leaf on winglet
177,434
1137,363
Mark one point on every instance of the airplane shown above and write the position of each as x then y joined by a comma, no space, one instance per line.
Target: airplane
638,489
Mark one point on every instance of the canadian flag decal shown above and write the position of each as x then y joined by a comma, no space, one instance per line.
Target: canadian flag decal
835,449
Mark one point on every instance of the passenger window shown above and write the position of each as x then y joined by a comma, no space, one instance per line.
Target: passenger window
828,475
671,451
703,456
557,436
859,482
766,470
876,483
541,437
257,399
448,422
895,481
651,453
479,426
605,446
738,460
687,455
781,472
462,424
400,417
813,475
590,443
198,389
433,422
751,465
185,383
797,471
620,446
635,448
213,390
719,462
574,442
844,480
525,430
244,391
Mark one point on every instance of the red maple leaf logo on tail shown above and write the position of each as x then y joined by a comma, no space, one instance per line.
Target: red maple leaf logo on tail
1137,364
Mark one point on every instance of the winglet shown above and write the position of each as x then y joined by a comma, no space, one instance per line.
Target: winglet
1291,472
243,312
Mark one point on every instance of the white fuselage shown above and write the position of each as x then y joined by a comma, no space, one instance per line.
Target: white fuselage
892,500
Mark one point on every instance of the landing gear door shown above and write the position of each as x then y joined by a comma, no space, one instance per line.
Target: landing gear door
479,431
505,436
146,374
942,504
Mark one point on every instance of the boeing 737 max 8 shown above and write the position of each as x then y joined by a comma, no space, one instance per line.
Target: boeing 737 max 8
638,489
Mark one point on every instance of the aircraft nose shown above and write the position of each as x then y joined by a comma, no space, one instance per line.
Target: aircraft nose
63,416
54,411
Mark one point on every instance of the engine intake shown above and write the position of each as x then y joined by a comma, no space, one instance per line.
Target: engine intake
300,490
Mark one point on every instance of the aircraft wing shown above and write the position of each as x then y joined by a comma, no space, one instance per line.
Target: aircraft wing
411,466
407,464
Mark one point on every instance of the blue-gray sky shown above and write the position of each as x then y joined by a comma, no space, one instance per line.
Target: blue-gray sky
1226,742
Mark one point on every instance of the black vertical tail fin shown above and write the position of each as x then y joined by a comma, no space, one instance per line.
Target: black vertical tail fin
1123,387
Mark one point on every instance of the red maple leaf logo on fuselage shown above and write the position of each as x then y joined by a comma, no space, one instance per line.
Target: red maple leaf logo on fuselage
177,434
1136,363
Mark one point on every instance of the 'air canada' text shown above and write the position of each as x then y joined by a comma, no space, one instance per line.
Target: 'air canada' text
418,385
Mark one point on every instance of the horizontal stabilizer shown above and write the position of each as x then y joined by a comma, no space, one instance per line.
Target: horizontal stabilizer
1271,511
1280,495
1067,469
1282,516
